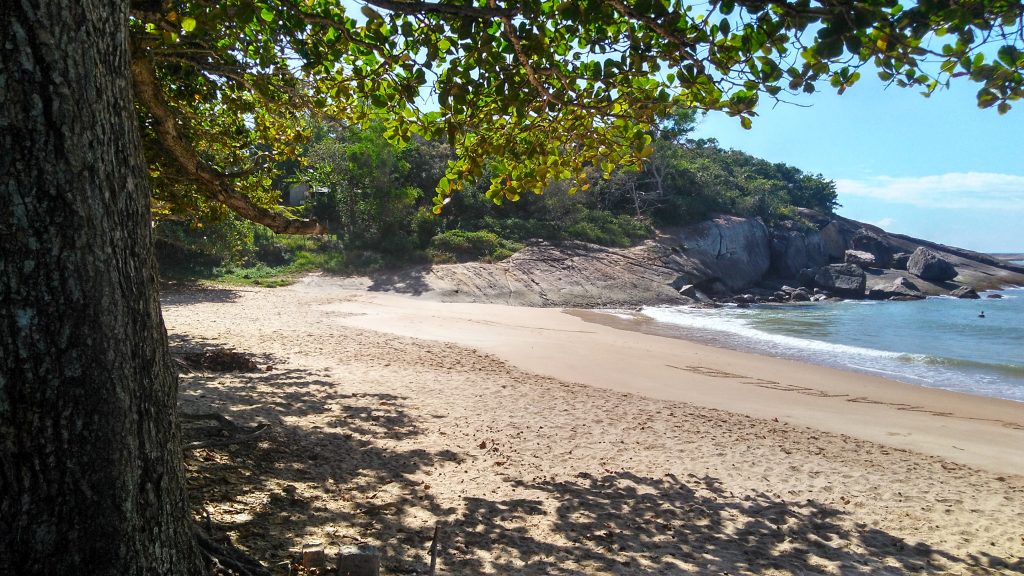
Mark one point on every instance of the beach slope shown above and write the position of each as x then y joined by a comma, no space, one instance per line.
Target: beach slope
546,442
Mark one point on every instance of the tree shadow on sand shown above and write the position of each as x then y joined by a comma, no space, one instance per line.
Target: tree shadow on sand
184,294
330,466
342,466
622,523
411,281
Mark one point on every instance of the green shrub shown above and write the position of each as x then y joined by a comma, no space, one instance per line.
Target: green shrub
463,246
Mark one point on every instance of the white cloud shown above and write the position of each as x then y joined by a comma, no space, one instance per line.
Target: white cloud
956,190
884,223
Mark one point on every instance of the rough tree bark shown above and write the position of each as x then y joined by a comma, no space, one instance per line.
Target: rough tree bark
91,475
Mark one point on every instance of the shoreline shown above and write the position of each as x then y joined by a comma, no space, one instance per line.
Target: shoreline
640,321
973,430
386,415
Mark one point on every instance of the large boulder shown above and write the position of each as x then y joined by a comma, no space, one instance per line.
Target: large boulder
899,289
732,252
690,291
928,265
899,260
862,259
792,251
833,240
805,278
965,292
865,241
843,280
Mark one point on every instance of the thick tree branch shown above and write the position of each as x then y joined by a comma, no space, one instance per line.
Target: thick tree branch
213,184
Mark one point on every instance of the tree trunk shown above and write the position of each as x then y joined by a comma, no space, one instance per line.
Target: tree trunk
91,474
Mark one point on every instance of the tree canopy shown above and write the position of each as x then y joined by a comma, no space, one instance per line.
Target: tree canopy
538,89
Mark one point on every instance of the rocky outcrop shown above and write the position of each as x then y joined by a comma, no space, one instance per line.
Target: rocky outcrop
833,238
720,258
787,247
865,241
898,289
843,280
794,250
724,254
862,259
965,292
928,265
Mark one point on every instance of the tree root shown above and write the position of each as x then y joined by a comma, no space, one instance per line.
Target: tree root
227,559
226,441
235,432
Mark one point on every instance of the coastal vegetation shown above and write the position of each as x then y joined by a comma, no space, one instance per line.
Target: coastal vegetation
199,102
375,197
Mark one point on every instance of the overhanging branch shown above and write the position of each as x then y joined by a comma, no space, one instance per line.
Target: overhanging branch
211,183
416,7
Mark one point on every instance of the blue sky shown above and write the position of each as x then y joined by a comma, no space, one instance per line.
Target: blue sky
936,168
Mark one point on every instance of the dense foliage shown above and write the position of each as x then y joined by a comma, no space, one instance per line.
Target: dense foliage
374,197
524,93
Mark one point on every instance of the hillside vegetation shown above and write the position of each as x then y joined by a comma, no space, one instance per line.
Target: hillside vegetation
375,198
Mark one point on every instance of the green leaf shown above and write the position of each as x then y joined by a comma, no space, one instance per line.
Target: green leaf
188,24
267,14
746,122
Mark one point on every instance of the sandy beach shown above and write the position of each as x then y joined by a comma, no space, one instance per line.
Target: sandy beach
546,441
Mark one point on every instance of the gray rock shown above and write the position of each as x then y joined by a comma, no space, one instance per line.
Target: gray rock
843,280
928,265
690,291
792,251
901,289
833,240
806,277
800,296
865,241
680,282
819,297
863,259
965,292
733,251
994,296
899,261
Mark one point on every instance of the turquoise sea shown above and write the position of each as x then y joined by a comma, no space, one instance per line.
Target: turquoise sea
939,342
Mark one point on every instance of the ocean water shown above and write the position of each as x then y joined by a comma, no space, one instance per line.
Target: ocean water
939,342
